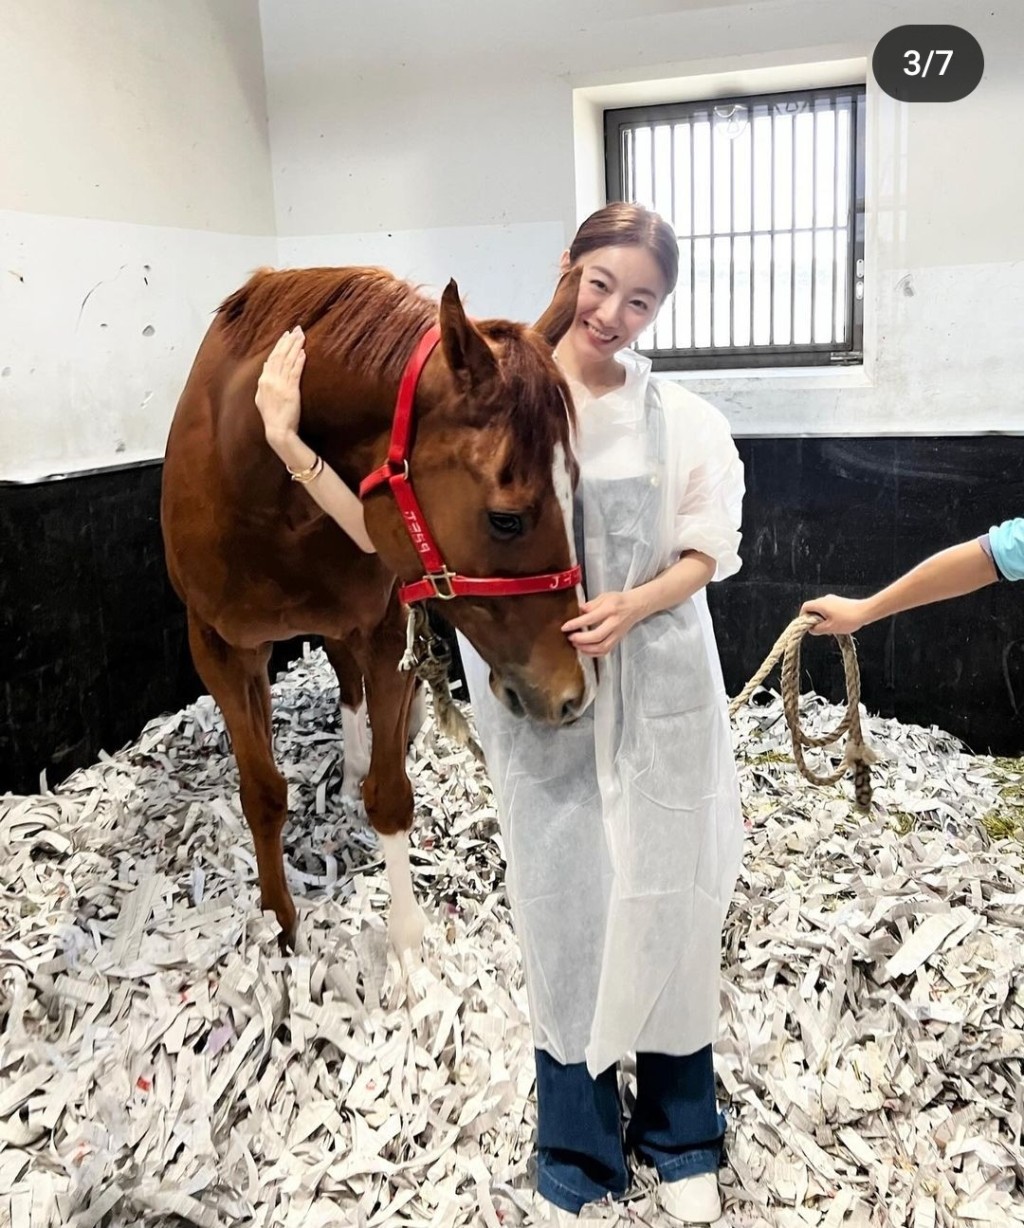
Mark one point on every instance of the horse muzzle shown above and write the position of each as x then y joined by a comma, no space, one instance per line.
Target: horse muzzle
551,705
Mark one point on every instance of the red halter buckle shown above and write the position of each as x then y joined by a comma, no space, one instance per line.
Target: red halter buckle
438,582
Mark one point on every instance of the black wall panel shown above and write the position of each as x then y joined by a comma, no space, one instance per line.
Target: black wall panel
94,638
849,515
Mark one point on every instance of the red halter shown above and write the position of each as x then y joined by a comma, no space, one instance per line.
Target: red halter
438,581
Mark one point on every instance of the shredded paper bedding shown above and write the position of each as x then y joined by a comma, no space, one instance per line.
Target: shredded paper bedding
161,1061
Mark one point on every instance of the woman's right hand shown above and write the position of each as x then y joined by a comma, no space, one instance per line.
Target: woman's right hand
839,615
277,393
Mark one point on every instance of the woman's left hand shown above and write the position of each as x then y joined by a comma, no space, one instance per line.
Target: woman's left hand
603,622
277,393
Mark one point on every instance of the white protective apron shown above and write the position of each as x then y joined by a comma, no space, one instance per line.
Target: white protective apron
622,832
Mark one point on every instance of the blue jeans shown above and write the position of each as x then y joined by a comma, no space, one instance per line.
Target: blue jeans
581,1147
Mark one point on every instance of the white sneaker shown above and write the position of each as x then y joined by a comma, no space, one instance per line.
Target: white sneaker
693,1200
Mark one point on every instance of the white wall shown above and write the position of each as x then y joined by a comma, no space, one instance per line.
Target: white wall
140,183
438,140
135,193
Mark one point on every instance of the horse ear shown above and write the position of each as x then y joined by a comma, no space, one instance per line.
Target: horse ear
468,354
559,314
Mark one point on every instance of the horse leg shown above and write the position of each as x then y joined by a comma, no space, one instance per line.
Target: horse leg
387,793
354,732
355,736
237,679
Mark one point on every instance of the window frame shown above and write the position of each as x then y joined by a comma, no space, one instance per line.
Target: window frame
812,354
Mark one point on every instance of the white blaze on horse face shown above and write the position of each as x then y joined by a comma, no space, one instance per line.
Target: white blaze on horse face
406,920
355,736
562,481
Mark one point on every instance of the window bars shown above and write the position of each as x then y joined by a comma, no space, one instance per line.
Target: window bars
766,195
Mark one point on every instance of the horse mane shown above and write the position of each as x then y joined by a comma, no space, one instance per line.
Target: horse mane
371,320
369,317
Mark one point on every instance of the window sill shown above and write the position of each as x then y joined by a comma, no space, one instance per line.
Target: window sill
791,378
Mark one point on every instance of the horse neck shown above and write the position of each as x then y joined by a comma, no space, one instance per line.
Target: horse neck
346,414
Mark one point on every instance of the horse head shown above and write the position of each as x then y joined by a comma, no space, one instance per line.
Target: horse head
492,467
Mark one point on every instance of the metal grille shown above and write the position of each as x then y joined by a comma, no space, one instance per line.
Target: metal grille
766,195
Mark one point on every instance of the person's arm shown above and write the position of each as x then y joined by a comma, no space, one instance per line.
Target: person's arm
954,572
280,404
709,515
605,620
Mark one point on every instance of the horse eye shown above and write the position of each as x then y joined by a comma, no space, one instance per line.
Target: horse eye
505,525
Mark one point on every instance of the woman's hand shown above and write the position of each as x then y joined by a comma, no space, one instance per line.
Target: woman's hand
839,615
277,393
603,622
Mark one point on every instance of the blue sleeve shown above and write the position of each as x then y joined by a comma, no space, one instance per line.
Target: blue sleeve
1007,542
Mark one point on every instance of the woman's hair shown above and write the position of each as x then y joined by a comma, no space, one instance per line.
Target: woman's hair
622,224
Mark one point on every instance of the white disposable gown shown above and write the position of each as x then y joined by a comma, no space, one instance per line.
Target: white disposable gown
623,831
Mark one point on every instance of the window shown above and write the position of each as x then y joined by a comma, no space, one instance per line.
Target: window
766,195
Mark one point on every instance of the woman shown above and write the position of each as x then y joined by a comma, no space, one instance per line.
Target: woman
623,831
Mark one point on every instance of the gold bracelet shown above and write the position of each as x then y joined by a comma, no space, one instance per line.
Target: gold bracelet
307,475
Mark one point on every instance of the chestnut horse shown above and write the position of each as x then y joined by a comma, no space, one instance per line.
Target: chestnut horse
255,560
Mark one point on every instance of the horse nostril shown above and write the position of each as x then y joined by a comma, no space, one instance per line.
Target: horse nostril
512,700
570,712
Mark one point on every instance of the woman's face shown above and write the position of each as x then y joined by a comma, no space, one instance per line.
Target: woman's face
620,292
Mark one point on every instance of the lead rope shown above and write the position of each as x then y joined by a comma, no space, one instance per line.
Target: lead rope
429,657
857,754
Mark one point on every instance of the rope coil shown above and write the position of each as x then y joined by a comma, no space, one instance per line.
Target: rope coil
858,755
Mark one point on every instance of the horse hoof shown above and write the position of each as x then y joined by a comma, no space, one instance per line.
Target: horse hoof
288,938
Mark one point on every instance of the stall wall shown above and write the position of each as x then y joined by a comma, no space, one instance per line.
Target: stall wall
135,193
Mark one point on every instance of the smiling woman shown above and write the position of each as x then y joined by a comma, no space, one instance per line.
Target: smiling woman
630,261
623,829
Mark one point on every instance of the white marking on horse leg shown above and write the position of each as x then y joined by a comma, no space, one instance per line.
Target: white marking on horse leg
562,482
406,920
418,712
355,736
